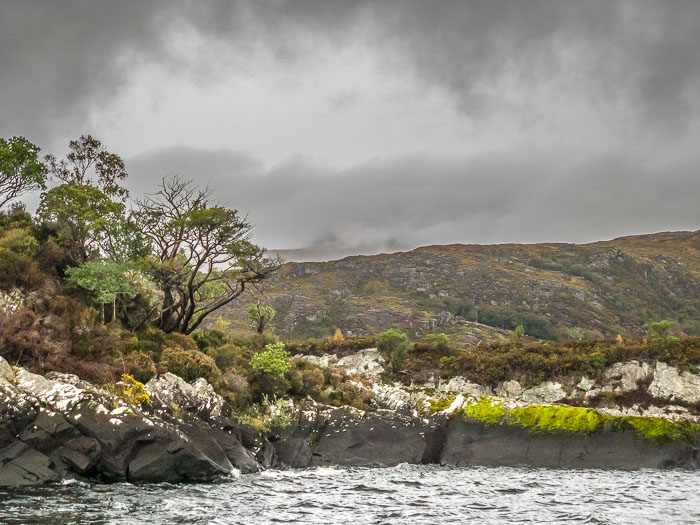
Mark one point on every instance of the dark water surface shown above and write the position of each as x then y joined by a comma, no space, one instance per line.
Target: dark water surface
405,494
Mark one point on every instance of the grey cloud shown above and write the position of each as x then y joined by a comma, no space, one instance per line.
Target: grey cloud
59,59
407,202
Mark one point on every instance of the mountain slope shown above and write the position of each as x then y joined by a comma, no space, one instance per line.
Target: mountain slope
608,287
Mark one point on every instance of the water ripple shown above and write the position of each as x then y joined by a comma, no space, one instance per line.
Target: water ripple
405,494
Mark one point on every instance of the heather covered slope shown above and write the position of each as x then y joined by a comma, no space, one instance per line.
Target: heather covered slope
554,290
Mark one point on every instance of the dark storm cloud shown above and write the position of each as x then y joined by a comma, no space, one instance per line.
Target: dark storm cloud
62,61
59,58
403,203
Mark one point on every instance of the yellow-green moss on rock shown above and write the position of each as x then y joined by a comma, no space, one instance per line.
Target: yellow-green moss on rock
486,410
663,430
564,418
440,404
558,418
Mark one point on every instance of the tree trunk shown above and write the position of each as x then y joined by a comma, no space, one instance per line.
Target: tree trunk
102,312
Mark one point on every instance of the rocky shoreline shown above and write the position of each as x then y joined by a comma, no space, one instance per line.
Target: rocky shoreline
58,427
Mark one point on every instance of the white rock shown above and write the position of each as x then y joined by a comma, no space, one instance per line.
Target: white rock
323,361
586,384
464,386
392,397
669,384
629,374
367,363
547,392
510,389
6,373
199,397
56,395
455,405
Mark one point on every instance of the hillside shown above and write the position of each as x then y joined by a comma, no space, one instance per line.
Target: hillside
555,290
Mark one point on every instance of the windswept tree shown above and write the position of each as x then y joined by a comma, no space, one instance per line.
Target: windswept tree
21,171
203,258
88,163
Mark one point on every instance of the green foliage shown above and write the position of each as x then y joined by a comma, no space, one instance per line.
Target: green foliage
88,163
106,279
533,362
393,346
260,317
440,404
661,329
273,360
464,308
271,414
82,215
517,334
437,341
202,257
21,171
330,345
231,356
208,338
191,365
18,264
509,318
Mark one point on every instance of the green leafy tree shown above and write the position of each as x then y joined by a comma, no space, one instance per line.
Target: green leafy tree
393,346
21,171
202,255
260,316
124,242
107,280
273,360
82,216
661,330
88,163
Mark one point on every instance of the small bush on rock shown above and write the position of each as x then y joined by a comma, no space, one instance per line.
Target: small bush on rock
393,346
191,365
273,360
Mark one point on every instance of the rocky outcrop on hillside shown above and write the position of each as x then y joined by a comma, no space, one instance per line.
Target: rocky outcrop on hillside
607,287
58,427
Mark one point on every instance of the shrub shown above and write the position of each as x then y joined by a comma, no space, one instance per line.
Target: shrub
393,345
273,360
306,379
18,266
231,356
140,366
271,413
133,391
236,389
182,341
191,365
210,338
437,341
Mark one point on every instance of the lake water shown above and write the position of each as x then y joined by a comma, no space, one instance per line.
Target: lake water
404,494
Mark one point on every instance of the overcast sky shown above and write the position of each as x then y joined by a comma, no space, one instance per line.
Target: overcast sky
379,125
